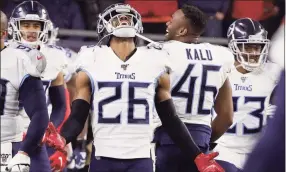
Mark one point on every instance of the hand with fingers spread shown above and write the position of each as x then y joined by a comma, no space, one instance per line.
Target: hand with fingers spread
53,138
206,163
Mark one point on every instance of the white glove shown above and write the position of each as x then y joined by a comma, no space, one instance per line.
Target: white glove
19,163
70,157
270,110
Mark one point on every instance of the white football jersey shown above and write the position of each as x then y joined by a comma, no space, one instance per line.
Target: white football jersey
199,71
17,63
251,95
123,99
71,57
56,63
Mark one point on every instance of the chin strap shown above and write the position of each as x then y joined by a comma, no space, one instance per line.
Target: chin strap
237,66
154,44
99,42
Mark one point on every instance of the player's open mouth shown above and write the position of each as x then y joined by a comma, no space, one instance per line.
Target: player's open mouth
124,22
252,61
31,38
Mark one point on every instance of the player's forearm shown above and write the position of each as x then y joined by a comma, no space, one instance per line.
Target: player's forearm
83,134
219,126
67,110
59,106
33,97
75,123
177,129
72,88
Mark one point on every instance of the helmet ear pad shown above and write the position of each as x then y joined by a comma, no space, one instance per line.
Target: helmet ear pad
109,27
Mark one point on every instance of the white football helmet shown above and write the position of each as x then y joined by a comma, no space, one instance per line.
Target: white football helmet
53,34
120,20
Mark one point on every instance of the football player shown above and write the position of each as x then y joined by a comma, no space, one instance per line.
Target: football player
121,82
253,80
199,82
76,158
21,87
70,54
29,24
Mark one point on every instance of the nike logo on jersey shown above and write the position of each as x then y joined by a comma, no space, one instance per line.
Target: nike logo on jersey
39,57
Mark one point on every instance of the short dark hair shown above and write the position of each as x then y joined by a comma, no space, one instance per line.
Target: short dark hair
196,17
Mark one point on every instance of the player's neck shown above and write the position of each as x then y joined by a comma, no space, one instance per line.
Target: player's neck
186,39
122,47
2,44
239,68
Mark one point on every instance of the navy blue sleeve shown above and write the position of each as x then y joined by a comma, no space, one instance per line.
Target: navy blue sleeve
58,101
32,96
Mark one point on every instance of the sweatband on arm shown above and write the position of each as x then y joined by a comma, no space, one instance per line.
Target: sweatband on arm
177,129
33,98
75,123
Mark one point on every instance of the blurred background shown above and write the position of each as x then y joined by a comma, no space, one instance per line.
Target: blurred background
77,19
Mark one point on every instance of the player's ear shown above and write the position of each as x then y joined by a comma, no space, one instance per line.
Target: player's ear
3,34
183,31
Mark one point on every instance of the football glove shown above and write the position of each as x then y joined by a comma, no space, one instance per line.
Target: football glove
54,139
80,158
58,161
206,163
19,163
270,111
51,138
70,157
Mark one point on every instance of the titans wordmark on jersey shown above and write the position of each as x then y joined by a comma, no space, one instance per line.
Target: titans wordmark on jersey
17,63
251,96
123,99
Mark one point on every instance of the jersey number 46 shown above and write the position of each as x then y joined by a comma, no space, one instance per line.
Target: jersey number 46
204,88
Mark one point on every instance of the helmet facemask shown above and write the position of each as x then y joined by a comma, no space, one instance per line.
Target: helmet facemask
53,35
120,20
22,35
250,53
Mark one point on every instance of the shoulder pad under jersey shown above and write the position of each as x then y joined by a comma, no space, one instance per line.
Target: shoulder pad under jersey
34,62
86,56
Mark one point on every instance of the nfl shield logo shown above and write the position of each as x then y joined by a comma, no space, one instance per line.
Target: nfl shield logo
124,66
243,79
